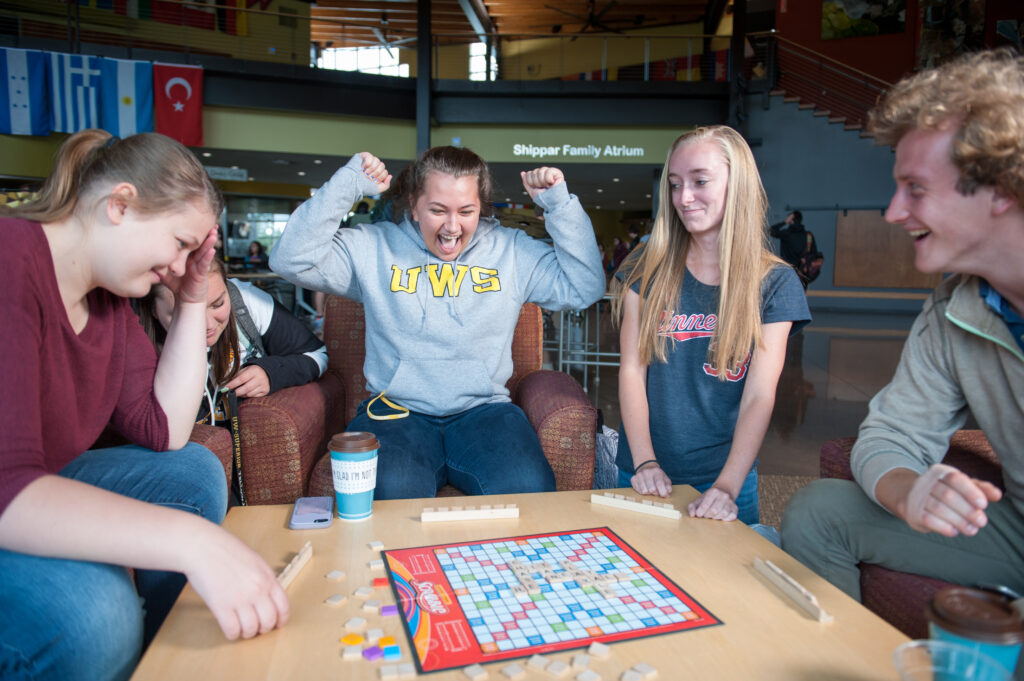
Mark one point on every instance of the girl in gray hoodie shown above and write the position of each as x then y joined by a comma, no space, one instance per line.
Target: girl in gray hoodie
442,290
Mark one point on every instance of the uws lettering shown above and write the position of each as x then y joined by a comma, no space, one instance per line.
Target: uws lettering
428,598
445,279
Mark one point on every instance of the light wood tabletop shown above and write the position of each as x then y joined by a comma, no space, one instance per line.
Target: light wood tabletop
763,635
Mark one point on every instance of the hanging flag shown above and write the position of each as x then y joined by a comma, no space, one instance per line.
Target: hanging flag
138,9
74,91
178,102
23,105
126,96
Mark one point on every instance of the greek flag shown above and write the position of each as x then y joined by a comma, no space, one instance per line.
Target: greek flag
126,96
23,109
74,92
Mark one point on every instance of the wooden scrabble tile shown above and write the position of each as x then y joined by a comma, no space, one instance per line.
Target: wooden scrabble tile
513,672
557,669
376,545
372,605
363,592
581,661
475,672
644,506
406,671
537,663
351,653
355,624
631,675
599,650
646,671
588,675
376,565
335,600
389,672
335,575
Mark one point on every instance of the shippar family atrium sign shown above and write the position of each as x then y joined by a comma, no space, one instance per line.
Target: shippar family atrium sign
569,151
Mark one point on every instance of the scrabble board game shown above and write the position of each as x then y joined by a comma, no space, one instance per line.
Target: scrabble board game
479,602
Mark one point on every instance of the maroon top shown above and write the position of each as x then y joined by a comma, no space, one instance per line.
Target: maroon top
58,389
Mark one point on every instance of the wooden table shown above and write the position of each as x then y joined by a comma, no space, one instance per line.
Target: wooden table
764,635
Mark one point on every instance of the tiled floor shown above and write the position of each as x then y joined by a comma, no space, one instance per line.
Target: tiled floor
833,368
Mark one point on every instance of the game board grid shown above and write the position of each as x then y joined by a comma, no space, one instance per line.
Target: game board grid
562,614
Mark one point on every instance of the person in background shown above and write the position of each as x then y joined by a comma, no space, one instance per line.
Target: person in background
442,291
257,257
794,241
114,218
959,169
706,310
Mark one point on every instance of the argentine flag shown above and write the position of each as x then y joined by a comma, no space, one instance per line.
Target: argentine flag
74,91
126,96
23,109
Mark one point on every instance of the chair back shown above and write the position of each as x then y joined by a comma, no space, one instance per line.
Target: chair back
345,338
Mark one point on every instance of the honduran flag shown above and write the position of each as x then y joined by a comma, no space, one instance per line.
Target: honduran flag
23,106
74,91
126,96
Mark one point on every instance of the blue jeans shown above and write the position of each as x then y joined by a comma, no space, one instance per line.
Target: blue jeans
490,449
69,619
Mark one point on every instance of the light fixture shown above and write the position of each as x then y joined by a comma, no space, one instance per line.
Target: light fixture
508,200
647,195
615,179
599,190
234,167
597,207
207,154
622,200
317,161
302,173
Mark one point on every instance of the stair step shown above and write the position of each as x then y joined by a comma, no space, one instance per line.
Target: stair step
805,106
790,100
867,133
822,112
837,119
777,93
854,126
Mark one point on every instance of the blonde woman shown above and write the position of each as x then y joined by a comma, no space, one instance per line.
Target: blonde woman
705,314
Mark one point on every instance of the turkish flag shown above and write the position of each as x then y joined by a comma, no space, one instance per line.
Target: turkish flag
178,102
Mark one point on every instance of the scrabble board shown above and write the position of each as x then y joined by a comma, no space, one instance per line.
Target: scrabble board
480,602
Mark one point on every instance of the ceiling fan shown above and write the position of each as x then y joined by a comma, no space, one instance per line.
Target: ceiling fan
593,19
382,36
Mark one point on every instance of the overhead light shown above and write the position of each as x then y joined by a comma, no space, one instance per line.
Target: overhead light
597,207
647,195
622,200
207,154
615,179
599,190
234,167
252,179
508,200
317,161
281,162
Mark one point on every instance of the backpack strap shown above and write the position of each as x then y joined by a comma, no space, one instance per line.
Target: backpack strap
810,243
244,319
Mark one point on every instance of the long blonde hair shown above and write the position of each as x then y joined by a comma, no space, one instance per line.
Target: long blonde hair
744,257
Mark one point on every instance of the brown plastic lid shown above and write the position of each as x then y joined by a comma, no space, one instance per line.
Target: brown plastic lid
976,614
354,442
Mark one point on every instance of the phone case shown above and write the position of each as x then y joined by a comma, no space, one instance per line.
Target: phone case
312,513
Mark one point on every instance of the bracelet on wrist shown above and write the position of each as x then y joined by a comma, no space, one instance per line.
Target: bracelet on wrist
636,469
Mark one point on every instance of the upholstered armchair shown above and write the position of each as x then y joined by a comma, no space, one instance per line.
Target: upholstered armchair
554,402
900,598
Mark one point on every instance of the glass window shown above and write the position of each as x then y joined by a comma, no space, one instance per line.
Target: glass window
376,60
478,62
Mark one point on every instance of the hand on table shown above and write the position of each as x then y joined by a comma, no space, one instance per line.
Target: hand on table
949,502
250,381
715,504
652,480
238,586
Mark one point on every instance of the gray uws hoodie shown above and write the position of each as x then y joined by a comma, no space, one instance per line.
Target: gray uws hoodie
439,334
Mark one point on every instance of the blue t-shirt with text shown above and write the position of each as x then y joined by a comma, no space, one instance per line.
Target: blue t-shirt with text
693,413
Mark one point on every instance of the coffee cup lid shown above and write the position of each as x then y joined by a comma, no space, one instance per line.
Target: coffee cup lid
976,614
355,441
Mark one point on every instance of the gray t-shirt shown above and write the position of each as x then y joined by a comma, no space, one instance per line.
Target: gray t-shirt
693,413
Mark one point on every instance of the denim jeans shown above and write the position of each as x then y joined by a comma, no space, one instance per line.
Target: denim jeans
69,619
490,449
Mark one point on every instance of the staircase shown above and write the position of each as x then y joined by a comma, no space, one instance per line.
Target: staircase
829,87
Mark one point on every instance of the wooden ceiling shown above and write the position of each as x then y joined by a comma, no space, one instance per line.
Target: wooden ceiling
354,23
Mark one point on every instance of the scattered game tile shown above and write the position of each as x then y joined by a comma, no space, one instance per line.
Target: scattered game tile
631,675
513,672
355,624
372,606
557,669
389,610
475,672
376,545
581,661
351,639
588,675
599,650
335,575
335,600
392,652
351,653
645,670
363,592
406,671
379,582
389,672
376,565
386,641
537,663
373,636
373,653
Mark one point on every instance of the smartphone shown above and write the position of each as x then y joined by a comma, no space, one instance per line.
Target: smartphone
311,513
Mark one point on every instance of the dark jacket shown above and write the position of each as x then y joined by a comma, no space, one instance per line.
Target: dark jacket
792,241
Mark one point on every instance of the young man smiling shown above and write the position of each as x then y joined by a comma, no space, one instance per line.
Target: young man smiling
959,169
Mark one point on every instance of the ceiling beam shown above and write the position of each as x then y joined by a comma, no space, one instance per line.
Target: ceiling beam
477,16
